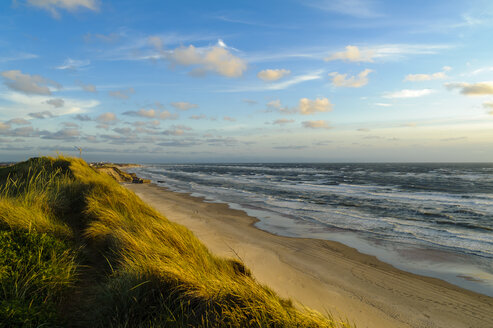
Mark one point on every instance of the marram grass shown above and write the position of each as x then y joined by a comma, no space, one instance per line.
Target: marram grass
79,250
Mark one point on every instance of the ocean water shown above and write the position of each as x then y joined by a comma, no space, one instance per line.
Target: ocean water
430,219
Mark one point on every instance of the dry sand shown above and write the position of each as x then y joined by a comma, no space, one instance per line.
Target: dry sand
324,275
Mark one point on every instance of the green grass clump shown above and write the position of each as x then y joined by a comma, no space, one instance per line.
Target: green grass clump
135,268
35,271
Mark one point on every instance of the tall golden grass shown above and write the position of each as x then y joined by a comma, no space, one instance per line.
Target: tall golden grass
135,268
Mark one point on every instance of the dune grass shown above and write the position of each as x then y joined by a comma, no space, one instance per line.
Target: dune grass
80,250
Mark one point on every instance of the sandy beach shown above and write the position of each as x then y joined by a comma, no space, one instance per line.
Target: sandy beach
324,275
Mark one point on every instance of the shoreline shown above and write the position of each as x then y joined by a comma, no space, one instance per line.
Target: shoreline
324,275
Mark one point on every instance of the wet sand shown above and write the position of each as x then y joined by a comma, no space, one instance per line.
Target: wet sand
324,275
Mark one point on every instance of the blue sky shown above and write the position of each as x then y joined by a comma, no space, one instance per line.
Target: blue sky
247,81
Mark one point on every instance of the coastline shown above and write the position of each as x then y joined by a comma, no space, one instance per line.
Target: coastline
324,275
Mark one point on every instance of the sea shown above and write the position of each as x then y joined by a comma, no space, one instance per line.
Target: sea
430,219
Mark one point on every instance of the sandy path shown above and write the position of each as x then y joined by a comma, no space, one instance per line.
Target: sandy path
325,275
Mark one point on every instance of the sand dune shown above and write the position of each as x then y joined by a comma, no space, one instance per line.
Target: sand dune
324,275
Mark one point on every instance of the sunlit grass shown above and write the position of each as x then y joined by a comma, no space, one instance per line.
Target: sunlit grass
135,267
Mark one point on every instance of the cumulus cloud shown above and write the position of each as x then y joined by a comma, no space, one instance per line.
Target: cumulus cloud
428,77
106,118
82,118
272,74
307,106
88,87
42,115
320,124
18,121
340,80
250,101
407,93
183,105
150,124
198,117
274,104
122,94
64,134
472,89
152,113
177,130
156,42
73,64
53,6
217,59
27,131
28,84
352,54
56,102
124,131
282,121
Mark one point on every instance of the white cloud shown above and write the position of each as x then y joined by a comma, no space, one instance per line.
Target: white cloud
183,105
156,42
19,56
316,75
482,70
282,121
340,80
73,64
70,5
64,134
383,105
107,118
307,106
272,74
18,121
89,87
488,104
42,115
177,130
214,59
152,113
472,89
250,101
198,117
28,84
407,93
428,77
352,54
21,104
320,124
122,94
56,102
221,43
274,104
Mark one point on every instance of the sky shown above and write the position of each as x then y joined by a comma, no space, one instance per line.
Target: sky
247,81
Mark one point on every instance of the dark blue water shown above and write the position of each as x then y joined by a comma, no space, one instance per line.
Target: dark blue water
441,207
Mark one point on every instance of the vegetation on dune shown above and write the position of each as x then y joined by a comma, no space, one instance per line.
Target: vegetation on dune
78,249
